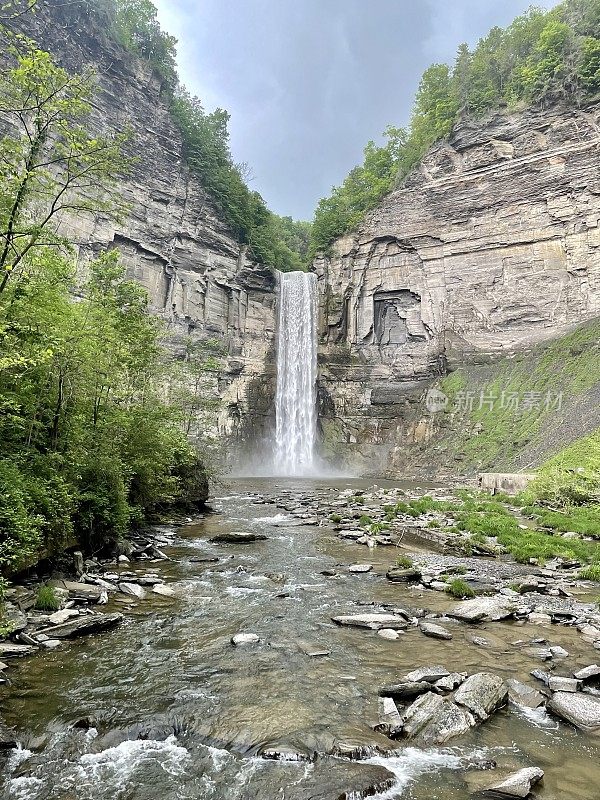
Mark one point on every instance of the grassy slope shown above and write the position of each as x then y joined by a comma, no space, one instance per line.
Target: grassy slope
504,438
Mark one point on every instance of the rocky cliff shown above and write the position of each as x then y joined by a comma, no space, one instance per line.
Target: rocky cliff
491,247
199,279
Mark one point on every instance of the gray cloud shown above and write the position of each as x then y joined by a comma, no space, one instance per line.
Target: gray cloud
309,82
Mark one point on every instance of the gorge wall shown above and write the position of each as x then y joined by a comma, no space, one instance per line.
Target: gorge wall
491,247
172,240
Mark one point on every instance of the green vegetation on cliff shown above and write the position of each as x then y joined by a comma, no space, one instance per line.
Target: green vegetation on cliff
89,440
498,412
543,57
278,242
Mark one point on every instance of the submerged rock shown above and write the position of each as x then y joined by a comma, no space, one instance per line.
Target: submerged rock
581,710
372,621
389,633
519,784
482,694
238,537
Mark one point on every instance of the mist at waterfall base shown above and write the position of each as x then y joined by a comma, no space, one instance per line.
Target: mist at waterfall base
292,449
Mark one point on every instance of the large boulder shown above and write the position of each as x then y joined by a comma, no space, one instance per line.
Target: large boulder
581,710
435,720
482,694
482,609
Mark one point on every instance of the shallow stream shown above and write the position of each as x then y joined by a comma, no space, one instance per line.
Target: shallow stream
176,712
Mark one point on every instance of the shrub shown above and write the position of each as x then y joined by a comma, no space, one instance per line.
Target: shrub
365,520
47,599
460,589
405,562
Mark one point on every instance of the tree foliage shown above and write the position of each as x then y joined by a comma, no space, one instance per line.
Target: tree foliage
89,440
542,57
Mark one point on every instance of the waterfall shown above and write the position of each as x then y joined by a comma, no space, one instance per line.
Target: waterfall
296,399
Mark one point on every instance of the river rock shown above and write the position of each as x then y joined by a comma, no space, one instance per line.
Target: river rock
522,695
587,672
86,592
434,631
133,590
479,609
401,575
62,616
450,682
558,684
435,720
164,591
8,739
238,537
12,650
390,721
241,639
372,621
84,625
579,709
482,694
519,784
13,619
407,690
359,568
388,633
429,674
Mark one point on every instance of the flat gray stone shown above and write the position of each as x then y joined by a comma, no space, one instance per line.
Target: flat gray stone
518,785
79,591
162,590
400,575
558,684
434,631
479,609
587,672
388,633
372,621
133,590
522,695
429,674
83,625
59,617
11,650
581,710
360,568
482,694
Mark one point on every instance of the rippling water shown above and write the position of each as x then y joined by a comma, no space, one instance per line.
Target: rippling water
177,712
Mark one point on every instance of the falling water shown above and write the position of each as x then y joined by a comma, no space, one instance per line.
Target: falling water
296,374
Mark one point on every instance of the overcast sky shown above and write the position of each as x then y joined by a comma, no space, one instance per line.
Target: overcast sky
309,82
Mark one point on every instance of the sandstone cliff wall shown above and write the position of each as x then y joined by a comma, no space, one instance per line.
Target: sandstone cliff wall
172,240
491,246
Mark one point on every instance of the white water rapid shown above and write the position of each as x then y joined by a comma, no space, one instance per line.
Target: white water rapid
296,397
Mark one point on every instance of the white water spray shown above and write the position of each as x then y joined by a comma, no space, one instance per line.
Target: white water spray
296,398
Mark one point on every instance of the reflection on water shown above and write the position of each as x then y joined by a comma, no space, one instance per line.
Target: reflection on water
177,712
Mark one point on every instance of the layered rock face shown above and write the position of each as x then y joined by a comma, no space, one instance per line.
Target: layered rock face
199,279
490,246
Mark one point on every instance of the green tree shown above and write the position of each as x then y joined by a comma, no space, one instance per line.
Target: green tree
50,165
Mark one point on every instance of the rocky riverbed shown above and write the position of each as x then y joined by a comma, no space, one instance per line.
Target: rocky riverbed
276,642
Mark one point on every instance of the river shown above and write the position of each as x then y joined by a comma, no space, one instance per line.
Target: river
176,712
